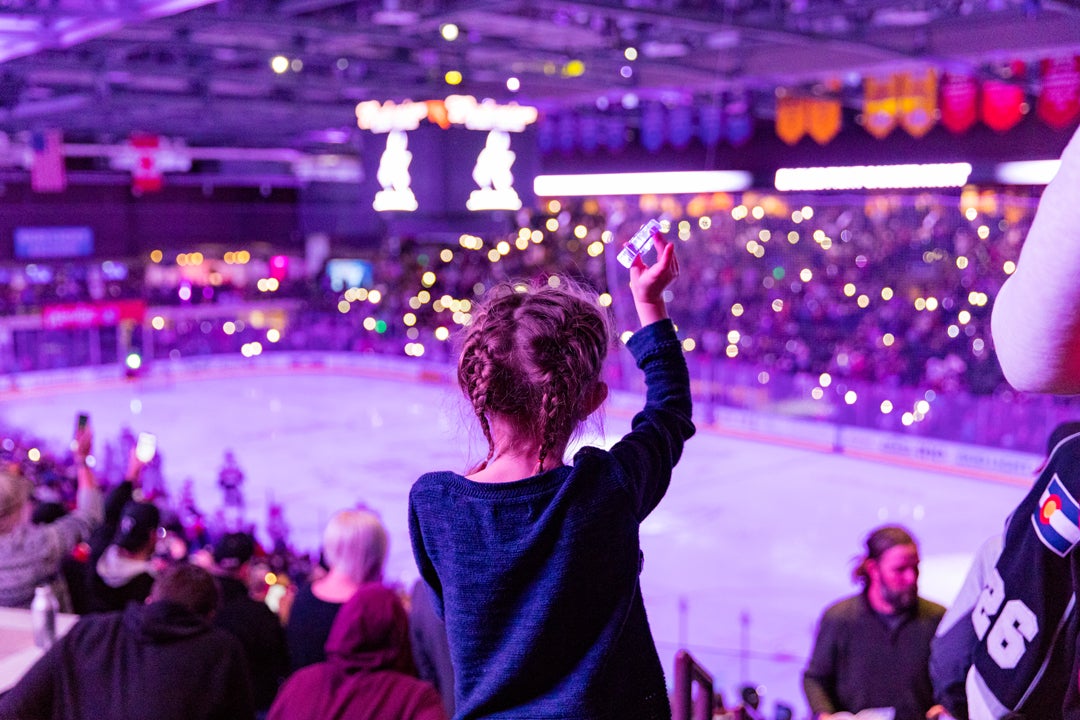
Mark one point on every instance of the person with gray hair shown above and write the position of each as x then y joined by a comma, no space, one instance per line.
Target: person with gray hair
872,650
30,555
355,544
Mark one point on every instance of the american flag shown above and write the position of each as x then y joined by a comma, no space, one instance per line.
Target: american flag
47,172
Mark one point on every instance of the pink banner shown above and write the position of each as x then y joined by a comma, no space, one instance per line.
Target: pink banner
1002,103
959,103
1059,101
90,315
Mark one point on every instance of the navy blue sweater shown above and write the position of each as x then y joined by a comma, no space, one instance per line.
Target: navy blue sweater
538,578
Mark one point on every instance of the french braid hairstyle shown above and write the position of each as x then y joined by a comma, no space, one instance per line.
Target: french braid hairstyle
531,355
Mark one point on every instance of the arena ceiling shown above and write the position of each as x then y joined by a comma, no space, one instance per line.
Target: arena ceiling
200,70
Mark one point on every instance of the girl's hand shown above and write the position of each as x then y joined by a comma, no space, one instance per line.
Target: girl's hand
648,282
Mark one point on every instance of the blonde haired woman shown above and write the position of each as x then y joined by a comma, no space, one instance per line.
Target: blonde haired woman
355,544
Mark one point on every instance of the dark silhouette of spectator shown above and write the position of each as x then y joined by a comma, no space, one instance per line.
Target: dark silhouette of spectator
162,659
250,621
123,571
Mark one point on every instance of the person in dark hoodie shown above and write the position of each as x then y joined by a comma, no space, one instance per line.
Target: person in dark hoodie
250,621
368,672
162,659
116,567
124,570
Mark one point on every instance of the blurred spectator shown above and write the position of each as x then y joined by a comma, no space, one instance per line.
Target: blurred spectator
161,660
368,670
250,621
355,544
872,650
30,554
124,571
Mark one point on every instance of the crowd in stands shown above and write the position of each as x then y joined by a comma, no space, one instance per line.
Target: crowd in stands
188,633
164,582
889,289
786,298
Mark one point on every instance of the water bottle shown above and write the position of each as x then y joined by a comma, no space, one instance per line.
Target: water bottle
43,610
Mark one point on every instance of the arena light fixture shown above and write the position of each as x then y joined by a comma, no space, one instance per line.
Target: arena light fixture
1029,172
873,177
644,183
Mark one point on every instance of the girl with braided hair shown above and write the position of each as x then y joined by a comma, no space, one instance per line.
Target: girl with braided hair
534,562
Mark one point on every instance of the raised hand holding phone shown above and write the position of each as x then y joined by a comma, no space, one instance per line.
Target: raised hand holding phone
146,447
648,282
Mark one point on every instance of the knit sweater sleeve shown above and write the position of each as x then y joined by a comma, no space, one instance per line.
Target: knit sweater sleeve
649,452
423,560
1036,317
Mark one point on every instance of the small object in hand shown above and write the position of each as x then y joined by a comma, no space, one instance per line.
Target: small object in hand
146,447
640,244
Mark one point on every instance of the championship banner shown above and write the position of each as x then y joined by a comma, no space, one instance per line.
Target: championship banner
589,133
880,105
1059,101
711,124
824,118
790,119
738,121
653,130
680,126
959,103
918,102
1002,101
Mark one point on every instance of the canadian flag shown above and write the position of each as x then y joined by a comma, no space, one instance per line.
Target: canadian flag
146,175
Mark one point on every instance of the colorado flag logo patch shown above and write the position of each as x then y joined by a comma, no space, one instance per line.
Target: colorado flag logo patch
1057,519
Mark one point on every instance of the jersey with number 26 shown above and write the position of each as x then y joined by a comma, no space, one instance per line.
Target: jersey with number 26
1025,616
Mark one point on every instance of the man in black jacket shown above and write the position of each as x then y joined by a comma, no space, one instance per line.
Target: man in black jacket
872,650
250,621
162,659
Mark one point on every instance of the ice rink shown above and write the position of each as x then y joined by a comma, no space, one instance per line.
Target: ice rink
750,544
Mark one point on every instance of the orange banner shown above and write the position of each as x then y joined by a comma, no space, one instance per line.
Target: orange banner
824,119
918,102
880,106
790,119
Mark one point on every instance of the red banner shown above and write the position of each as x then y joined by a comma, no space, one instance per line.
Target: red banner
1059,101
1003,100
91,315
959,103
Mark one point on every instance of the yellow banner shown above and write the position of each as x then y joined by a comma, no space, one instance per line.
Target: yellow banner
880,106
918,101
